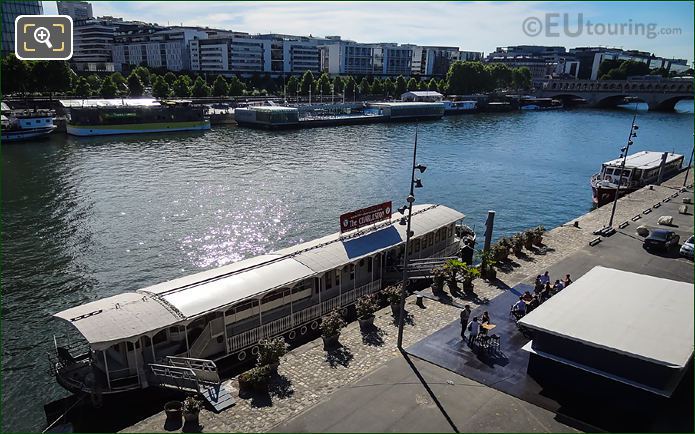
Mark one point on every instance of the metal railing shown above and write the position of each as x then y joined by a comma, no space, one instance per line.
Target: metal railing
251,337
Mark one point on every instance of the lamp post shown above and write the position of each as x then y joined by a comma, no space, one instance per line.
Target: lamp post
414,183
624,151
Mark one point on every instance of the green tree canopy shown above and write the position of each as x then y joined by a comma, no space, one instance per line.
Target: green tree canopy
220,86
200,88
468,77
626,68
412,84
120,82
307,83
14,75
83,89
170,78
433,85
160,88
377,87
338,85
423,85
364,87
144,75
108,88
500,74
401,86
94,81
350,86
389,87
292,86
236,87
324,84
181,87
135,87
521,78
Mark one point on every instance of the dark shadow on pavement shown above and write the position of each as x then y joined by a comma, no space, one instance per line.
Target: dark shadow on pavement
429,391
373,336
280,386
339,356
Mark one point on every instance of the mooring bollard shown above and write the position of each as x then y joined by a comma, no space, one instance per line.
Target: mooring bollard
420,300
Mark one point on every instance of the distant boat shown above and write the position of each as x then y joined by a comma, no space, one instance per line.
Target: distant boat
99,117
460,107
25,125
641,169
532,103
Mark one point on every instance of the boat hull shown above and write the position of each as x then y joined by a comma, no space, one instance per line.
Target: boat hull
105,130
602,195
20,135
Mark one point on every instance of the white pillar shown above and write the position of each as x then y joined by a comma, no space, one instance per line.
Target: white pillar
106,368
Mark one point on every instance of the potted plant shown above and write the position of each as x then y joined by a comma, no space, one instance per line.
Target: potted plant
173,411
506,246
452,268
438,279
330,329
393,295
517,243
256,378
469,273
270,351
366,306
191,409
487,264
538,232
529,237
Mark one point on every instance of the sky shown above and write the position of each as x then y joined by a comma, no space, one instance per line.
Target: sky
471,26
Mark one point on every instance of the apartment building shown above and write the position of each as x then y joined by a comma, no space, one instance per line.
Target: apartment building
156,47
78,10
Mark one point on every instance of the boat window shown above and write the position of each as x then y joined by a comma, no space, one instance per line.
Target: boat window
369,265
436,237
246,305
229,312
416,245
272,296
337,278
352,271
609,171
328,279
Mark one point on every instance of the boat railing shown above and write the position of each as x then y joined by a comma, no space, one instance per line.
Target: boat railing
273,328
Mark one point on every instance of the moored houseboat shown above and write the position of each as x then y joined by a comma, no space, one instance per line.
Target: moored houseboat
18,125
459,107
131,339
99,117
533,103
641,169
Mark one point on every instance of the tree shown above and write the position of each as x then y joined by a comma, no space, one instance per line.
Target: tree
422,85
626,68
181,87
377,87
500,74
467,77
94,81
307,83
350,86
236,87
160,88
135,87
120,82
401,86
338,85
324,84
433,85
364,87
521,78
292,86
220,86
443,88
108,88
389,87
412,84
170,78
14,74
144,74
200,88
82,89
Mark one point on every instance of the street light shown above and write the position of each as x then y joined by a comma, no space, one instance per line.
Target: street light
623,155
414,183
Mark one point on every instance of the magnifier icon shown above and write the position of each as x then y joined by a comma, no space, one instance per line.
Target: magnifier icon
42,36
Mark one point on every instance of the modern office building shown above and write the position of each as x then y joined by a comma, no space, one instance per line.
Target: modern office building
433,61
590,59
78,10
154,47
340,57
236,55
10,11
93,44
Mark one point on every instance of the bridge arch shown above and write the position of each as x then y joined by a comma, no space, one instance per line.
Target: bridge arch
669,104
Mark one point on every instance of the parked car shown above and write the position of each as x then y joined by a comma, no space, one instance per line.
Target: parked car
661,239
688,247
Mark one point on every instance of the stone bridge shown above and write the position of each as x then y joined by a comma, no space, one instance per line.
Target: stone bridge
658,94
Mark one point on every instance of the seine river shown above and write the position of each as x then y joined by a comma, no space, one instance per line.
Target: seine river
85,218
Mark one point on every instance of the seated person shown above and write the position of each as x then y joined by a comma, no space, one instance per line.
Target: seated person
559,286
538,285
534,303
567,280
519,308
485,319
527,296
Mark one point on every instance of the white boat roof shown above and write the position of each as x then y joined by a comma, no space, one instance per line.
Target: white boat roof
641,316
4,107
407,104
150,309
112,102
643,160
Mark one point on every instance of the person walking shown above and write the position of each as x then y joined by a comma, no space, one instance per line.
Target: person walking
465,315
474,329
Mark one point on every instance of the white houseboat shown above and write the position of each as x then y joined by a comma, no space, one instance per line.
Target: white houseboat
224,312
20,125
641,169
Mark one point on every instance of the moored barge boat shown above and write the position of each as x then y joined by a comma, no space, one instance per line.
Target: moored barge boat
641,169
130,339
18,125
99,117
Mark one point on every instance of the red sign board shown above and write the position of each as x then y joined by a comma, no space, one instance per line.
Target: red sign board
365,217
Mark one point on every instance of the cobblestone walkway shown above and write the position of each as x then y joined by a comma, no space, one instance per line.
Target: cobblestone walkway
307,374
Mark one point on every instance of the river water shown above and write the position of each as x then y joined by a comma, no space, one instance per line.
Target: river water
86,218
